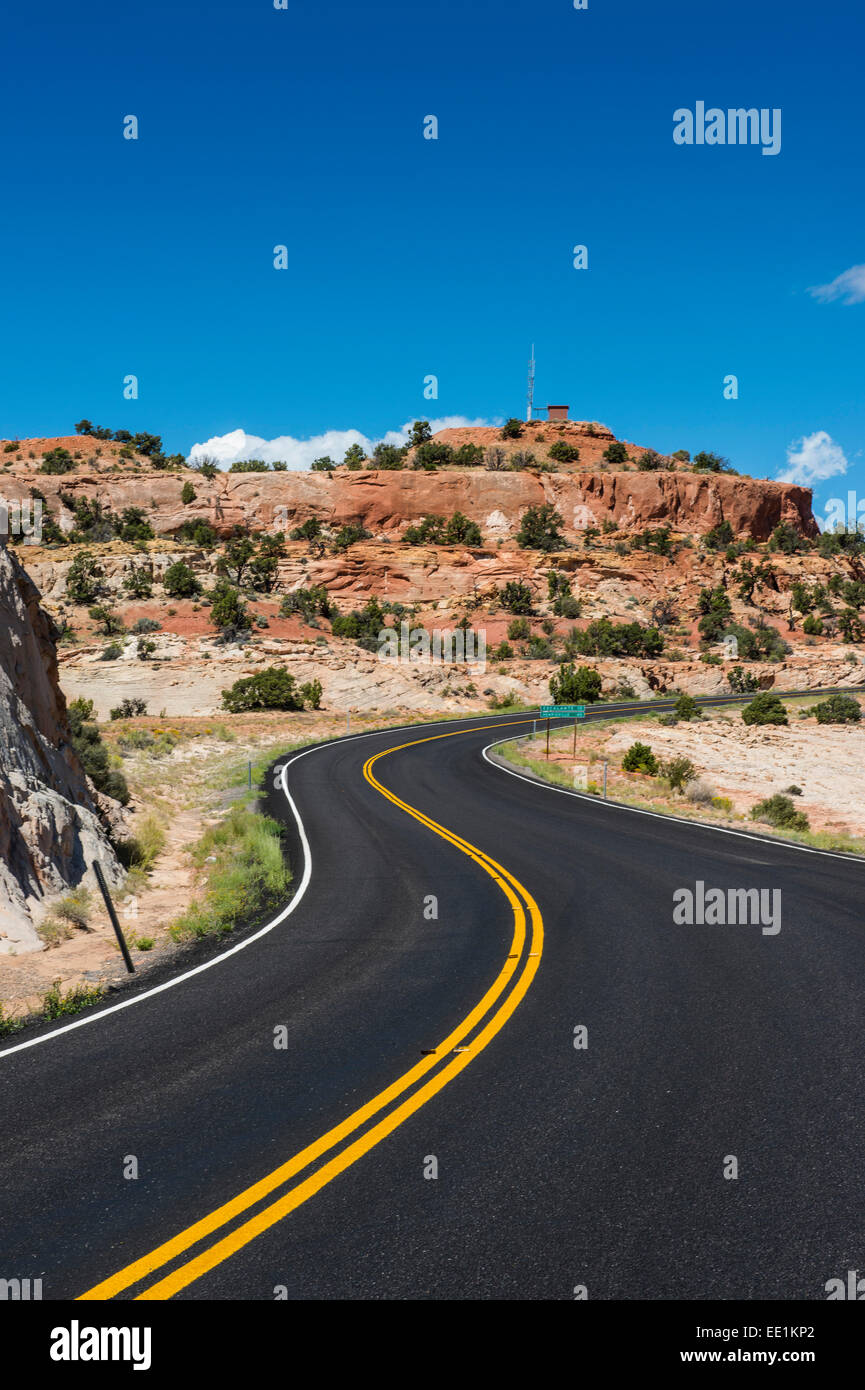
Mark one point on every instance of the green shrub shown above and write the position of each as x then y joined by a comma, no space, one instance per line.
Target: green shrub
519,629
362,627
838,709
564,453
575,687
640,758
779,811
309,530
678,772
57,461
539,528
686,707
128,709
516,597
55,1004
813,626
179,581
187,493
765,708
248,877
615,453
309,603
84,578
87,742
273,688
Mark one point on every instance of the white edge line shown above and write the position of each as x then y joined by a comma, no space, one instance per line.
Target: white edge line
660,815
268,927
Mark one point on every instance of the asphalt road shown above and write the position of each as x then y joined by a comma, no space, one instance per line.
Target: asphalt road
557,1167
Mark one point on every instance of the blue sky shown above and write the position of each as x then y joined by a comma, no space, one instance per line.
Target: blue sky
409,257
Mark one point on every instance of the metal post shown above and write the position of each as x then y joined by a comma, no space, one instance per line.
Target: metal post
548,740
534,727
575,738
100,879
605,781
250,777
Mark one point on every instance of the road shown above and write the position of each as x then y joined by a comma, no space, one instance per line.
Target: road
304,1121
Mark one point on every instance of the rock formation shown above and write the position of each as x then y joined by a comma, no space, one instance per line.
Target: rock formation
50,827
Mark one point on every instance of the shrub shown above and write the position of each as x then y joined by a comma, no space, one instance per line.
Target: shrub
813,626
179,581
765,708
84,578
566,606
686,707
145,649
779,811
512,429
787,539
199,533
431,455
57,461
134,526
838,709
138,583
539,528
719,536
564,453
228,612
308,530
362,627
350,535
469,455
711,463
325,464
309,603
187,493
273,688
92,753
516,597
640,758
128,709
679,772
55,1004
146,625
575,687
699,792
519,629
650,461
111,652
75,907
615,453
249,466
353,457
740,681
503,652
603,638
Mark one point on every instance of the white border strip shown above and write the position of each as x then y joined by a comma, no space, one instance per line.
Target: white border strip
661,815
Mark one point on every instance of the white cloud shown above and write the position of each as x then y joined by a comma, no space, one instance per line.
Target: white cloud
299,453
849,286
813,459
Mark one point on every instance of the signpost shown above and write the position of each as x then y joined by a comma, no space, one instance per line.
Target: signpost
549,712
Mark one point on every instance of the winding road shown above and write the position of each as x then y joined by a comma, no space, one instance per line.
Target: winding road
379,1094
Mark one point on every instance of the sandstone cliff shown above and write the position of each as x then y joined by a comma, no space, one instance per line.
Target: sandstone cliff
50,831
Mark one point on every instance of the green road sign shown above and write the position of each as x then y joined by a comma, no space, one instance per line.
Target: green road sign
563,711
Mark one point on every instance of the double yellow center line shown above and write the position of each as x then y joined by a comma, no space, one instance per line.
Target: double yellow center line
470,1036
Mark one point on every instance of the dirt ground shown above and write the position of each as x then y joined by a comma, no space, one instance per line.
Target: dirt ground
743,763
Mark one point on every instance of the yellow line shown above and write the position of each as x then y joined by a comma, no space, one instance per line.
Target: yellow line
193,1269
